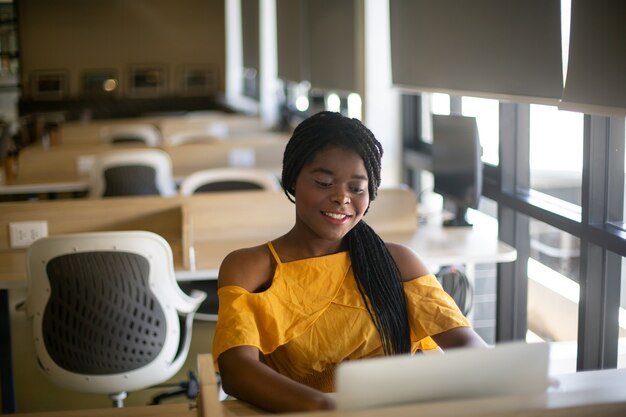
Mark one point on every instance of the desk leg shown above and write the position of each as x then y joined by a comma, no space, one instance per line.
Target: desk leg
6,359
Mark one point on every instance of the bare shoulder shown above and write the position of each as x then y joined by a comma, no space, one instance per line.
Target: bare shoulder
249,268
409,263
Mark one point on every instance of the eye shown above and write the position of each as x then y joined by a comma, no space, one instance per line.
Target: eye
357,189
323,184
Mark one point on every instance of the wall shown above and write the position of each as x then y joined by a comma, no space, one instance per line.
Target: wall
75,35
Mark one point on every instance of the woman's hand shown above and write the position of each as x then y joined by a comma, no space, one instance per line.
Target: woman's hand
246,378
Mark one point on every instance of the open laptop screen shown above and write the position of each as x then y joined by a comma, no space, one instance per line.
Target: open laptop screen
507,369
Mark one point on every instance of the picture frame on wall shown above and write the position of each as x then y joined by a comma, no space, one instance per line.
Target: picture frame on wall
147,80
49,84
100,82
198,80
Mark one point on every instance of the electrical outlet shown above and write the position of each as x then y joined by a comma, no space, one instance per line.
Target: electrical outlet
241,157
219,130
22,234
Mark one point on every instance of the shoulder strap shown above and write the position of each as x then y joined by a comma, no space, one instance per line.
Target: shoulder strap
271,247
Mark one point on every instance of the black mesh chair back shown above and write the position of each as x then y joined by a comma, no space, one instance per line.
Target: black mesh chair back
102,317
227,186
143,133
229,179
123,139
132,172
127,180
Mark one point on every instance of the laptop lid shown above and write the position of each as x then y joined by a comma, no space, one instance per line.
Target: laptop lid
507,369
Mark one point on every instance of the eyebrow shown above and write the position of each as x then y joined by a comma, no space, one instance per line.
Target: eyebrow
329,172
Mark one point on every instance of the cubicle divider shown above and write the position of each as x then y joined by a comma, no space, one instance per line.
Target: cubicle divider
217,124
73,164
163,216
201,229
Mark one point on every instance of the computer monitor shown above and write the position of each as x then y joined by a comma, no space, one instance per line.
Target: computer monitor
456,164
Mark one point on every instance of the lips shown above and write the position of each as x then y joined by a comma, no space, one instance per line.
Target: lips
336,216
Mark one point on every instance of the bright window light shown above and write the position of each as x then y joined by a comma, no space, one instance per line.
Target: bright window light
302,103
440,103
333,103
354,106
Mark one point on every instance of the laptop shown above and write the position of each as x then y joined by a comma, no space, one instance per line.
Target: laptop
514,368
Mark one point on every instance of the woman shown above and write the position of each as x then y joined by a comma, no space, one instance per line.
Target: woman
330,289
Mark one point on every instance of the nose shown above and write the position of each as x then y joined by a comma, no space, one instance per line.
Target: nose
341,197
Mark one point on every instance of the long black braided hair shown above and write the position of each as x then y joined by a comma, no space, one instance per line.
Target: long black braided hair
377,275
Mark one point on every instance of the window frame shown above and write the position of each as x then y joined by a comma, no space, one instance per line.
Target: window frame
603,243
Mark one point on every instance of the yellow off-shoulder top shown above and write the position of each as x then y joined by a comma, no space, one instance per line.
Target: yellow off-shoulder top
313,317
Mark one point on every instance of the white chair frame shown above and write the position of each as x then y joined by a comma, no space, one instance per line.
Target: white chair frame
191,136
156,158
148,133
261,177
163,285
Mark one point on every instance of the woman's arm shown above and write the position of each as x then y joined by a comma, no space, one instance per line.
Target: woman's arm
411,266
245,377
243,374
458,337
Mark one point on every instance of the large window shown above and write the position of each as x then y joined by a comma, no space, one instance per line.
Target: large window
621,358
556,180
556,152
486,113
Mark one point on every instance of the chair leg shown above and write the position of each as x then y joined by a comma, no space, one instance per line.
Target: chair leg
118,399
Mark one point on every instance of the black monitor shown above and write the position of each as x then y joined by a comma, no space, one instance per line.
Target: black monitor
456,164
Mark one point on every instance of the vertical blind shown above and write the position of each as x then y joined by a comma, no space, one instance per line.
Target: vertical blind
485,48
596,72
291,42
318,41
333,44
250,33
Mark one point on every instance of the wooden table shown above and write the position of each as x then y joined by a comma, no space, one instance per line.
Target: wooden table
66,169
583,394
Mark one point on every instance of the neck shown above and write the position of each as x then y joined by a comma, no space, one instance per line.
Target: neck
292,247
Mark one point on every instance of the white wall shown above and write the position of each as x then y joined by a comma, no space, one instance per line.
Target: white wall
381,103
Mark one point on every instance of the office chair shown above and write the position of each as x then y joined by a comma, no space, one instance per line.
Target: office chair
229,179
181,138
215,180
108,316
455,282
140,133
132,172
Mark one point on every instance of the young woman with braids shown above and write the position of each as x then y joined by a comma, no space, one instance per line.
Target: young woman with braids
330,289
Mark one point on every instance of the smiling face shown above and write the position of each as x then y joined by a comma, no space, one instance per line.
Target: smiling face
331,194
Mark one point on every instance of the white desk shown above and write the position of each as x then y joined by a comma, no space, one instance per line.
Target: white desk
459,245
45,187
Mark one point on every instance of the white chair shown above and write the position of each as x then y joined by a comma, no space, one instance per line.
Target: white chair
229,179
139,133
107,313
132,172
191,136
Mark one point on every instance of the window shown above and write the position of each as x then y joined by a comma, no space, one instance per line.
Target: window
621,347
556,152
570,233
486,112
622,221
